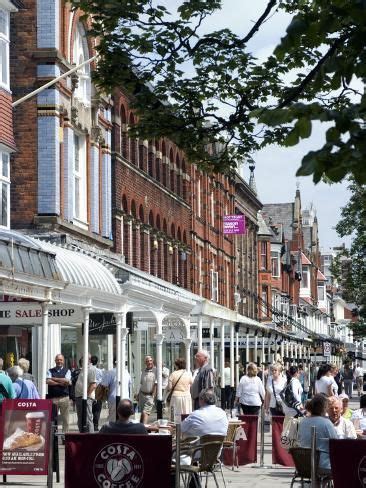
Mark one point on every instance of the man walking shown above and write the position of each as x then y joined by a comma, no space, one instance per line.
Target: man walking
92,384
109,380
97,405
358,375
204,378
58,380
147,391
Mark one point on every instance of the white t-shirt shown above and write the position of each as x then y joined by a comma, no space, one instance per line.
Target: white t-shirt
227,376
360,414
279,385
321,386
358,372
250,391
297,391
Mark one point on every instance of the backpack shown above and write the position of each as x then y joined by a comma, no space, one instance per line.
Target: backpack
288,398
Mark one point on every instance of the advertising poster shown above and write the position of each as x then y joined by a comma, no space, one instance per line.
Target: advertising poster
24,436
234,224
117,461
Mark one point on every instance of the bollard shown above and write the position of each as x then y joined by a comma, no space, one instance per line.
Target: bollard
50,456
177,455
313,458
261,455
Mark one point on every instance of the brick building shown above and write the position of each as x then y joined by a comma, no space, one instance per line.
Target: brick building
7,142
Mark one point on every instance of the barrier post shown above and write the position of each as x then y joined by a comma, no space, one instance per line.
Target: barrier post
313,457
261,455
50,456
177,455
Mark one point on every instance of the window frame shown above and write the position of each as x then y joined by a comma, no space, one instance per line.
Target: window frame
81,54
275,258
263,255
5,184
5,41
80,207
214,285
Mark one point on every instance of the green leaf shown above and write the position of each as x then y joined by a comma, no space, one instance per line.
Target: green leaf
304,127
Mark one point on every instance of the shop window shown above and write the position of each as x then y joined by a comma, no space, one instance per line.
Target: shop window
5,190
80,197
4,48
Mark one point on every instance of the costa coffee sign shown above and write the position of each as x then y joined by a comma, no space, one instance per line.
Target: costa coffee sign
30,313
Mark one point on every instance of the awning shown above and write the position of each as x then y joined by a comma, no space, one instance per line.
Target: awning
89,282
26,269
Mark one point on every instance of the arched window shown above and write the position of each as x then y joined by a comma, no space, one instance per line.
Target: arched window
81,54
165,165
124,136
133,143
172,171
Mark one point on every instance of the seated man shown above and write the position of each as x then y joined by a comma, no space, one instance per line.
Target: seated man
208,419
123,425
345,428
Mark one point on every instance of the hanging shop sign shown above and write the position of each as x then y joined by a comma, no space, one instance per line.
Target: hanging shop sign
234,224
24,437
327,349
30,313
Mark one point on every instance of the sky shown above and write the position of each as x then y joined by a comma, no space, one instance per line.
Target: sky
275,172
276,167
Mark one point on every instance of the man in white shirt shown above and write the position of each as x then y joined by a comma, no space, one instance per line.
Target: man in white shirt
358,376
227,384
208,419
345,428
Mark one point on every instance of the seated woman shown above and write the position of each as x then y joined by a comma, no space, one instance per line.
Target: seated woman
325,430
359,417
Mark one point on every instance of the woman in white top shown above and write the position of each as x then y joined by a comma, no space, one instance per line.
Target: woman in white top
250,392
325,382
275,384
293,380
359,416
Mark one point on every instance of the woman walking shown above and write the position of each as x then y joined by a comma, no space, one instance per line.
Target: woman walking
275,384
295,407
178,391
325,382
250,393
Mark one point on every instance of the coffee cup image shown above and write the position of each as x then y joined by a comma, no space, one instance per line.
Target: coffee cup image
118,469
34,421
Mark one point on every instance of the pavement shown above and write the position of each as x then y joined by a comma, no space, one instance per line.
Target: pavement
255,476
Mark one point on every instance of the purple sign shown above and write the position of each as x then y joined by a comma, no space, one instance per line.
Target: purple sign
234,224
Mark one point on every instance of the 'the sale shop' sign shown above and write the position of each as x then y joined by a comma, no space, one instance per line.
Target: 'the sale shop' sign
24,436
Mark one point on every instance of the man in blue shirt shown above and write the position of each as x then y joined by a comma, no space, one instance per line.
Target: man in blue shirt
208,419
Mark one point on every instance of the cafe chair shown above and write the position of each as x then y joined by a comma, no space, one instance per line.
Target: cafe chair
205,461
230,443
302,460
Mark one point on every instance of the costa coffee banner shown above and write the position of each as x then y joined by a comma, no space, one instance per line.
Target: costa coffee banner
118,461
24,436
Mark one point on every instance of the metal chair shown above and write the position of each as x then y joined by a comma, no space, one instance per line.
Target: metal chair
205,461
302,461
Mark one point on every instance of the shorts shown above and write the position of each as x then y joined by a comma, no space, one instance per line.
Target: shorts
146,403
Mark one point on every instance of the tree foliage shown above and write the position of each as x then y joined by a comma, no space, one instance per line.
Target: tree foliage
194,85
350,266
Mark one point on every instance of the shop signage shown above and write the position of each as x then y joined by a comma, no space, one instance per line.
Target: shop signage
30,313
24,436
327,349
234,224
117,461
102,323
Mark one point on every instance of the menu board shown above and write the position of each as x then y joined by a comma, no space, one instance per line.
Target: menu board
24,436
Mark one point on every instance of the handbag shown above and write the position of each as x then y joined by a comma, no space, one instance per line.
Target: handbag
278,403
101,393
290,432
169,396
